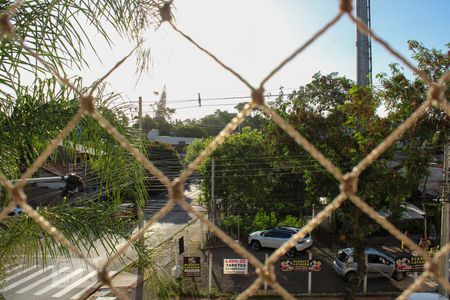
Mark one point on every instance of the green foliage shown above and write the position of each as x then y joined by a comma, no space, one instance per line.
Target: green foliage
35,110
290,221
24,240
264,220
341,120
190,131
247,223
237,185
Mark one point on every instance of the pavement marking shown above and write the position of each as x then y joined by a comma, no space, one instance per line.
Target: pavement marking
81,293
25,279
20,273
48,277
58,282
74,285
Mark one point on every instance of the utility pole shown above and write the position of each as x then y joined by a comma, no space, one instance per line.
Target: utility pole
213,197
140,275
363,46
445,217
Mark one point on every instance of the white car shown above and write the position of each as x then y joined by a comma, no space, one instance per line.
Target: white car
379,264
275,237
427,296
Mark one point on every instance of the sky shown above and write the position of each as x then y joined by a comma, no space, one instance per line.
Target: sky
253,37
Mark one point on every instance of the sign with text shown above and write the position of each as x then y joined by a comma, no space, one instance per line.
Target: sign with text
300,265
191,266
235,266
410,264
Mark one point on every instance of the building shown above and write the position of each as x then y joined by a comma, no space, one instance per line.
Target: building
179,143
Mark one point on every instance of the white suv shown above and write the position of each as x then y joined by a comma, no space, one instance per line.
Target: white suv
275,237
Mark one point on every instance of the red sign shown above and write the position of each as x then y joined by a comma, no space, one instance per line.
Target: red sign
191,266
300,265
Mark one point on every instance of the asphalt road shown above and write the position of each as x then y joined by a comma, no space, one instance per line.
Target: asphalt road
69,278
326,281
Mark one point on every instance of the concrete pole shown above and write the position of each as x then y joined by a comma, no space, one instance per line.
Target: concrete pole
213,197
265,282
201,235
310,276
209,273
140,275
239,227
445,216
188,242
363,52
175,253
365,276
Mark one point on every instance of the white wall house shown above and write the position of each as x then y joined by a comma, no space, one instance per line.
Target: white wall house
153,136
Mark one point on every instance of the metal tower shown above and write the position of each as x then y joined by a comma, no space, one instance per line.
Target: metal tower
363,46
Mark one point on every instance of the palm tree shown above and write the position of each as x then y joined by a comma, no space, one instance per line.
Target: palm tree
33,111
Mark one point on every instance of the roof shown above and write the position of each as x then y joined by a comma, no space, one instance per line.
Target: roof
410,212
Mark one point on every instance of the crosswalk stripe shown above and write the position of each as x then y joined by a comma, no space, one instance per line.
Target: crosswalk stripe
20,273
74,285
80,293
25,279
13,269
40,281
58,282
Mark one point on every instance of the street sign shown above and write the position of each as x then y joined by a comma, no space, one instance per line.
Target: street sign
235,266
410,264
300,265
191,267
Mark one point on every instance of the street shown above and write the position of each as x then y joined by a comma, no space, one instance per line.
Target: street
327,281
69,278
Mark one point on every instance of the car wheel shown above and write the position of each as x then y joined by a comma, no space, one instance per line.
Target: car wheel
256,246
399,276
291,252
350,276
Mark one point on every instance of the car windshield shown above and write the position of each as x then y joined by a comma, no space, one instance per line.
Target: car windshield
342,256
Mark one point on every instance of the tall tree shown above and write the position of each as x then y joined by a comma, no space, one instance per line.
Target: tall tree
241,179
341,120
163,114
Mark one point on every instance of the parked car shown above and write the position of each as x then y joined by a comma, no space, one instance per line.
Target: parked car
275,237
379,264
427,296
16,211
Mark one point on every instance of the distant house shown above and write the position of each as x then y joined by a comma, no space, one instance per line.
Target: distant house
434,182
179,143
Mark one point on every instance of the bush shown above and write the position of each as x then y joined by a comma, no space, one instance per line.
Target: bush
249,223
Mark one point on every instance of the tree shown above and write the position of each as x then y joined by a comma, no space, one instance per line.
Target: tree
56,32
190,131
341,120
215,122
255,120
163,114
241,180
